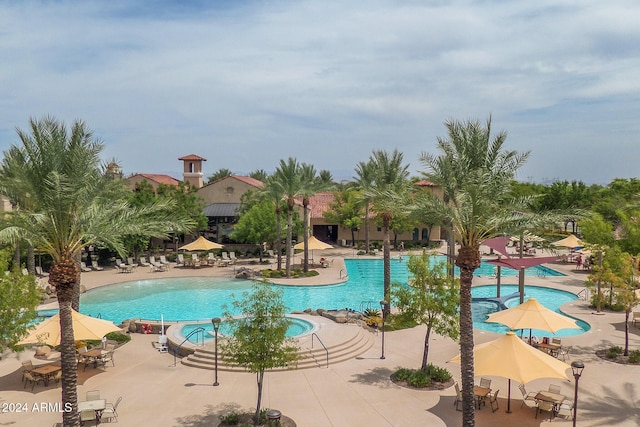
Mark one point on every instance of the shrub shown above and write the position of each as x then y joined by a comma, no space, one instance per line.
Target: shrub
438,374
422,378
231,419
634,356
403,374
419,378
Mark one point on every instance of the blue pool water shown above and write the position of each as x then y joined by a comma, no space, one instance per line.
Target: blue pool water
550,298
199,298
296,328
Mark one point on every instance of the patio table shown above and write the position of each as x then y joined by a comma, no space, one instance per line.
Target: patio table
554,398
45,371
480,393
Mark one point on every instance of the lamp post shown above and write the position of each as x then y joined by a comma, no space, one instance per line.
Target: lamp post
576,366
383,307
216,326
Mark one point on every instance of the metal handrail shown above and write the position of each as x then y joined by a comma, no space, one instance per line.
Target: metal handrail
194,332
321,343
584,294
345,274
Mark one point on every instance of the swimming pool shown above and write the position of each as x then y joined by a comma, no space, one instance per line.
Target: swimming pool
552,299
198,298
297,327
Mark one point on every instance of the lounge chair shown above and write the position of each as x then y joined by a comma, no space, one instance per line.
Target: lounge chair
110,412
180,260
225,257
528,399
131,262
271,253
25,272
163,261
95,266
40,272
232,257
143,261
458,397
83,267
211,259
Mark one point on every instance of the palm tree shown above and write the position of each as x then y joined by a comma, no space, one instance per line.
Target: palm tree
364,180
388,195
475,174
288,181
272,193
311,184
73,204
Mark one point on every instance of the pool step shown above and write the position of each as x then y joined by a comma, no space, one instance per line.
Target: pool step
352,343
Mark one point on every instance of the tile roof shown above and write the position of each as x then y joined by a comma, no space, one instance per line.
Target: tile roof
159,178
246,179
424,183
192,157
319,203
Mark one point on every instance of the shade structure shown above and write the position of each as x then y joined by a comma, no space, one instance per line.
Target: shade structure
517,263
84,328
498,244
201,244
533,315
571,241
510,357
314,244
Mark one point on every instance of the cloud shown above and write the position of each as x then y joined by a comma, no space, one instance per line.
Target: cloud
247,83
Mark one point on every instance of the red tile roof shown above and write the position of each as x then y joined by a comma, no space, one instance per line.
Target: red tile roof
424,183
319,203
250,181
192,157
159,178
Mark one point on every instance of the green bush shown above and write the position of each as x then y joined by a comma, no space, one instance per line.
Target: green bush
403,374
422,378
616,349
634,356
419,379
231,419
438,374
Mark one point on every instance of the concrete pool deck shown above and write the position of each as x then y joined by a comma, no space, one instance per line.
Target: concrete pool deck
353,393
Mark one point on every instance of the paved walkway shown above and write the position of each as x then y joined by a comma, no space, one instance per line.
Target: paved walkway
350,394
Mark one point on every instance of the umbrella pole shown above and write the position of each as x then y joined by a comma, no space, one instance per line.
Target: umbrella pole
509,397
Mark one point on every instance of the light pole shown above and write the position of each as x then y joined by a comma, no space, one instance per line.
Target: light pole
216,326
576,366
383,307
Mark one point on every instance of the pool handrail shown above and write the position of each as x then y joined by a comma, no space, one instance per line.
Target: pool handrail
195,331
321,343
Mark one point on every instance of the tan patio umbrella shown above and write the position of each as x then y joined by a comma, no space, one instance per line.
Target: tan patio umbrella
201,244
533,315
510,357
570,241
84,328
313,244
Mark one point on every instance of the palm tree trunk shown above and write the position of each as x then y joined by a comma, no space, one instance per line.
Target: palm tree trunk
386,220
260,378
468,261
31,260
279,238
305,207
289,240
366,226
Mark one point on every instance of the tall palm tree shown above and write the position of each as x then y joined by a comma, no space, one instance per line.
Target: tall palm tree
475,173
364,180
73,205
388,195
288,180
272,193
311,184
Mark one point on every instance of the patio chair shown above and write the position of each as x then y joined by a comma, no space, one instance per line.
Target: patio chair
57,377
163,261
458,397
106,358
83,266
93,395
95,266
566,410
33,379
130,261
553,388
232,257
87,415
27,366
110,412
636,317
493,399
225,257
528,399
211,259
485,382
564,352
545,406
180,260
143,261
271,254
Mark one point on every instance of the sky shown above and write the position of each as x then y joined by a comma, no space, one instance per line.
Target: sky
245,83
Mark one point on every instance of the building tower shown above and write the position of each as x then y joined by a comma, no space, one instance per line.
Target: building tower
193,170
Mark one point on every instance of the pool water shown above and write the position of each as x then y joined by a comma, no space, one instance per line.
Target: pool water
296,328
198,298
552,299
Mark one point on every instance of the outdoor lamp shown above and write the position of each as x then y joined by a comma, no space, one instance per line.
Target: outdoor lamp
216,326
577,367
383,307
